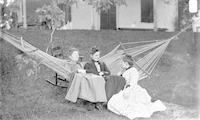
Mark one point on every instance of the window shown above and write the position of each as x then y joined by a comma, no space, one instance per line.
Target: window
108,18
147,11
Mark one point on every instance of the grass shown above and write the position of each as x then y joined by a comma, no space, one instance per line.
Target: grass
31,98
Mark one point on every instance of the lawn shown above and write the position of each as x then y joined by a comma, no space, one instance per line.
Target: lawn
174,80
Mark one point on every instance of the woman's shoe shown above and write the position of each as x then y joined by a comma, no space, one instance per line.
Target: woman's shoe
99,106
80,102
104,105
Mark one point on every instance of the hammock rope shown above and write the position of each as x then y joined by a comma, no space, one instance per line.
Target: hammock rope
153,50
148,54
58,65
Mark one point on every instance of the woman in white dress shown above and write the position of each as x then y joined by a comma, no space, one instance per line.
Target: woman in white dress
133,101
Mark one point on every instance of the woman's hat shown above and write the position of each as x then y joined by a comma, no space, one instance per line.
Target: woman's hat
94,50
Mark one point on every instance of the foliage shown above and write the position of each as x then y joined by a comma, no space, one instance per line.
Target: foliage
100,5
185,17
25,62
8,14
51,16
14,6
104,5
68,2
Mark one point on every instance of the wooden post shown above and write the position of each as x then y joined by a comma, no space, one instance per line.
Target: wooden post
24,14
93,19
20,17
117,16
155,15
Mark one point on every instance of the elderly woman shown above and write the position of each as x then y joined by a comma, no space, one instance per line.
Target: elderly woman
85,86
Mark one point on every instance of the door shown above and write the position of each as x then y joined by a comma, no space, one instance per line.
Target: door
147,11
108,19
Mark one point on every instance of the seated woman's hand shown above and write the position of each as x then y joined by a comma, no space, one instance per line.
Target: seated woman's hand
119,73
101,73
106,73
81,71
126,93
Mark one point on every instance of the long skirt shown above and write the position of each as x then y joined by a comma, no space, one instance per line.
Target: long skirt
134,102
114,84
89,87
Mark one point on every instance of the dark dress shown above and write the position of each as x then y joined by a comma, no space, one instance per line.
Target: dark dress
113,83
91,68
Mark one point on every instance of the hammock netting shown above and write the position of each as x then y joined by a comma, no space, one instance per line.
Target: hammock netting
145,53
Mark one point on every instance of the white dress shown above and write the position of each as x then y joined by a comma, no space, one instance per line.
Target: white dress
134,101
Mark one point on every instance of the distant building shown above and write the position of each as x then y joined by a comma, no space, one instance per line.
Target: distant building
138,14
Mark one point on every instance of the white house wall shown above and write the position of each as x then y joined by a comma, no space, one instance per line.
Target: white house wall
167,14
130,16
84,17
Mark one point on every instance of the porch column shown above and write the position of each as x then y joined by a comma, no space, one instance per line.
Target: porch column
97,21
20,13
155,15
117,17
24,14
93,19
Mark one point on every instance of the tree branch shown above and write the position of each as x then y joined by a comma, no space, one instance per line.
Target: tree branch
51,41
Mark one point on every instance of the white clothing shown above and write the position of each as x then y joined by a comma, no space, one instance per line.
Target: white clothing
97,66
133,101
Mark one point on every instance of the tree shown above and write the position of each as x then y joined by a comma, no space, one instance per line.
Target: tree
14,6
185,17
9,12
104,5
100,5
53,17
4,10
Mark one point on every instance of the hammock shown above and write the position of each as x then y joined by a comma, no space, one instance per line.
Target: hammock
146,54
58,65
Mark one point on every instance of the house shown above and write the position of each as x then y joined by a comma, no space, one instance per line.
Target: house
138,14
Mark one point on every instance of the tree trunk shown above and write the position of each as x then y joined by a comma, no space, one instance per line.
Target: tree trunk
51,41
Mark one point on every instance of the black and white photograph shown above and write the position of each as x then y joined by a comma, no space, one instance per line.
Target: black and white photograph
99,59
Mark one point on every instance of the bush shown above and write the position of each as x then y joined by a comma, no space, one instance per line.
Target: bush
50,16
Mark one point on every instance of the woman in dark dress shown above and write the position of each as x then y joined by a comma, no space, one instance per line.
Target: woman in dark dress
113,83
